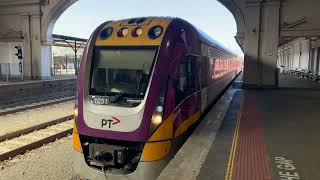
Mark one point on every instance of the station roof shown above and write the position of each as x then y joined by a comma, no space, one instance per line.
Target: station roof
67,41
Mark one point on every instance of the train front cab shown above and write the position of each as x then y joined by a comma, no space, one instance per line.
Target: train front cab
135,128
180,83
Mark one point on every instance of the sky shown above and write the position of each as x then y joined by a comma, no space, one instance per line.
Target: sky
210,16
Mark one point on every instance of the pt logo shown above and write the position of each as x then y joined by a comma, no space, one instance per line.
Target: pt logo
109,122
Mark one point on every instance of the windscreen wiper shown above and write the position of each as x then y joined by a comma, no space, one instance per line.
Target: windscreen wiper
139,81
122,92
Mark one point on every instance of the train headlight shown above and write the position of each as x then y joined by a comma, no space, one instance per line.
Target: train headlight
75,112
155,32
156,119
137,32
157,116
106,33
159,109
123,32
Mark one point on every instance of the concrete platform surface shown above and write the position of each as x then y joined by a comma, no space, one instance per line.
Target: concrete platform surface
267,134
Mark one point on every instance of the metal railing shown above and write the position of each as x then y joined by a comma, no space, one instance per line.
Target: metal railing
305,74
65,65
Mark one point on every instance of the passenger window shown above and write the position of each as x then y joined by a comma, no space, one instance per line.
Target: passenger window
186,83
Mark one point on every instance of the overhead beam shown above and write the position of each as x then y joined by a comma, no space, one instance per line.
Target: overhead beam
299,32
15,3
62,37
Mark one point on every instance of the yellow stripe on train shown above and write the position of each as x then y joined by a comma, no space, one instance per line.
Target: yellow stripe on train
153,151
187,123
159,144
129,39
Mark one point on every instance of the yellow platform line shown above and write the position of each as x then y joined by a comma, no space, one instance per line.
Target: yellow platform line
233,150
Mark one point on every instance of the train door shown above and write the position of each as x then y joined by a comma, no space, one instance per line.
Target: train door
203,79
186,99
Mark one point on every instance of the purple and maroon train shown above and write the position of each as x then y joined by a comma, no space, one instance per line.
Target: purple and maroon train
143,84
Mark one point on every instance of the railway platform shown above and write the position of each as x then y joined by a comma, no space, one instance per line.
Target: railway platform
263,135
17,95
274,136
19,81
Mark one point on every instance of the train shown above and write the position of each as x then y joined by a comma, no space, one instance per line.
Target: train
143,85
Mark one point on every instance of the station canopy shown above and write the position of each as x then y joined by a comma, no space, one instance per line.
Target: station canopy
68,41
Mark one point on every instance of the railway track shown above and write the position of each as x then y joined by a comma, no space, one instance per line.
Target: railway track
34,137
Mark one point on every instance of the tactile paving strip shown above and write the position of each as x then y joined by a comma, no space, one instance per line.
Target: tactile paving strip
248,159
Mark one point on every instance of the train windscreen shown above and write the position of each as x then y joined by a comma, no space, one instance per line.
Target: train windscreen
121,75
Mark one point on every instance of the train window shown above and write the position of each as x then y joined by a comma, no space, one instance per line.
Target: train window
186,84
121,74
